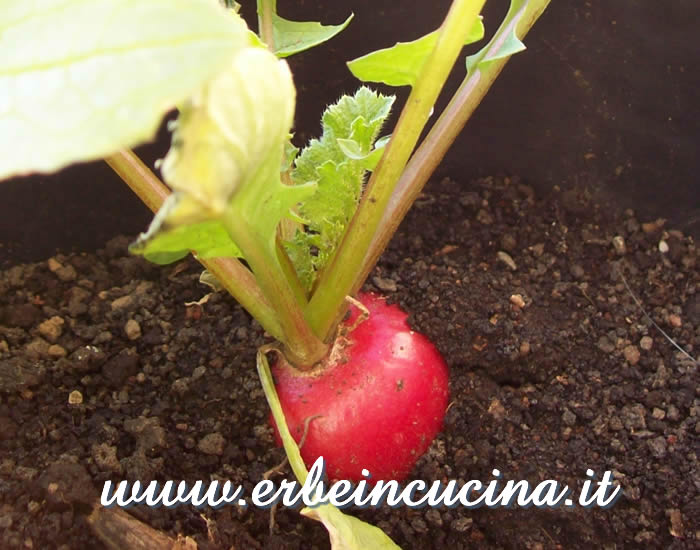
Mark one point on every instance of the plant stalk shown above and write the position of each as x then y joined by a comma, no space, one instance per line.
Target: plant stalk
302,348
258,243
231,273
266,9
441,136
340,276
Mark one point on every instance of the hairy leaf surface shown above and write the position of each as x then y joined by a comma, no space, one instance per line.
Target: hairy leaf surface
349,126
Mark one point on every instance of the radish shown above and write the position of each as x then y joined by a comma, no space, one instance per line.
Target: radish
379,399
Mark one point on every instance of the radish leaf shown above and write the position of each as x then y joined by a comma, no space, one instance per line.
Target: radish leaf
292,37
296,36
224,163
401,64
206,240
82,79
505,42
347,532
349,126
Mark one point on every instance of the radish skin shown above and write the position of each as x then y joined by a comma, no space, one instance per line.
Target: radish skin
379,398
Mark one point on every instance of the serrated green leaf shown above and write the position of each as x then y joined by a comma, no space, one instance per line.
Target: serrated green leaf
81,79
401,64
347,532
339,177
368,161
162,246
505,42
296,36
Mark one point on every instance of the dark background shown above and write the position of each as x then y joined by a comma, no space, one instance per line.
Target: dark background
605,99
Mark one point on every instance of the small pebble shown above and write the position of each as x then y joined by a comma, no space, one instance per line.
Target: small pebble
605,345
434,517
180,386
75,398
524,348
132,329
57,351
461,524
387,285
568,418
677,529
663,247
199,372
673,413
619,245
658,447
631,354
659,414
52,328
653,227
674,320
212,444
537,249
646,342
497,410
506,259
508,242
484,217
5,521
577,271
517,300
124,302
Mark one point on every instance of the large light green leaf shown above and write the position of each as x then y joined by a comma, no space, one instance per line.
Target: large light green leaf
401,64
346,532
80,79
224,163
226,133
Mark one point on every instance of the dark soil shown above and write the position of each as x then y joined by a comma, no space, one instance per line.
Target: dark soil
106,372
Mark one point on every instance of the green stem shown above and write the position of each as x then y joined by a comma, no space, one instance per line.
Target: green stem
266,9
290,446
291,274
258,243
339,278
232,274
302,348
451,122
139,178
